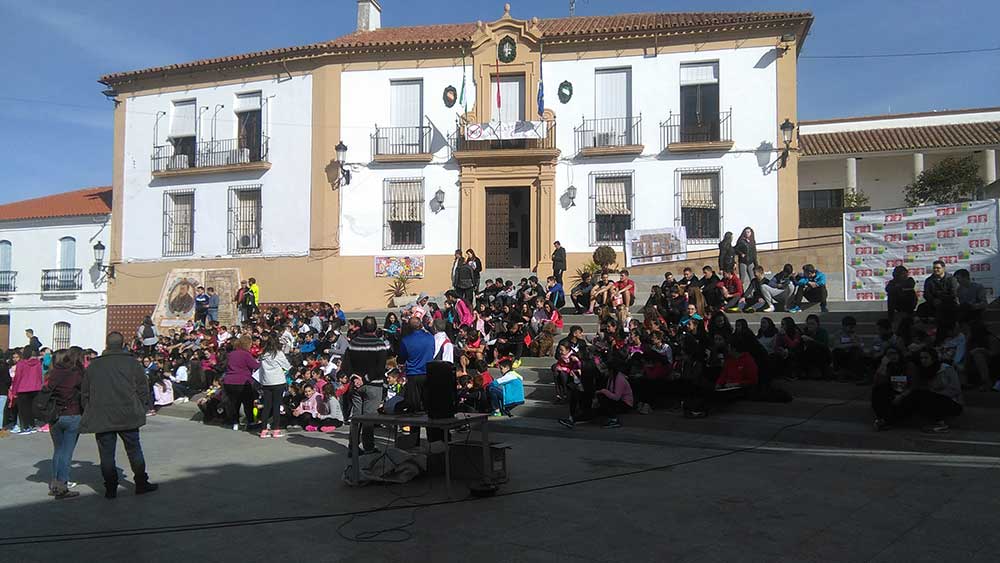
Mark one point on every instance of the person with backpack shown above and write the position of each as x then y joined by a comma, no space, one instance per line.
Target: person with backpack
63,387
147,333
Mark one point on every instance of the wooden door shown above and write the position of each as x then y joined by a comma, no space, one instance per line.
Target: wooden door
497,229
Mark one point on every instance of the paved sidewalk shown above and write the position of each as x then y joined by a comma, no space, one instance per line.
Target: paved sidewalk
781,502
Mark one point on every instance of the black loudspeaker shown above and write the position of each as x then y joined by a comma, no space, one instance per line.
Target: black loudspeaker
441,391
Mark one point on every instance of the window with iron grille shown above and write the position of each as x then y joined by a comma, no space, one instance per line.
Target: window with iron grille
60,336
700,194
178,223
611,204
403,213
244,219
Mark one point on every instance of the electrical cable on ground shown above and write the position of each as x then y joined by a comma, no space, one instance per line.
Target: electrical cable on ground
372,536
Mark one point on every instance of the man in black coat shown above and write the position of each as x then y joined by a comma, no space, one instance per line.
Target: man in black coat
366,356
115,397
465,281
558,262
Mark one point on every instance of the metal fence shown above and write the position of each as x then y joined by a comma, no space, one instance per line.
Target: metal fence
463,144
62,279
396,141
609,132
8,281
676,129
188,153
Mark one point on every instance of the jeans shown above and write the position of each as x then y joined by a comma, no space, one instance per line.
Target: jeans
272,405
496,399
240,395
3,412
746,272
64,433
106,443
365,400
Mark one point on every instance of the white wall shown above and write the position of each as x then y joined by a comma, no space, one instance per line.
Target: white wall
747,85
285,190
365,104
35,247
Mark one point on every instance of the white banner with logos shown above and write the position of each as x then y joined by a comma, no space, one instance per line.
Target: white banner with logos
962,235
502,130
653,246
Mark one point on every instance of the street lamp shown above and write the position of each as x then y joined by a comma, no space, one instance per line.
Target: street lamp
787,128
345,174
569,197
99,251
437,204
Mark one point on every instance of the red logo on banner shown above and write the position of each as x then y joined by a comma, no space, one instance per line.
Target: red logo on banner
866,296
977,219
947,233
943,211
893,237
979,243
864,273
917,271
985,267
893,217
862,250
915,225
917,248
893,263
948,259
862,229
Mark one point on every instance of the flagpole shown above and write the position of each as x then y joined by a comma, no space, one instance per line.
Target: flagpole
499,116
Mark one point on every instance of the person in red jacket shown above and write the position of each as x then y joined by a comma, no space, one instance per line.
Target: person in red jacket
731,289
27,383
738,371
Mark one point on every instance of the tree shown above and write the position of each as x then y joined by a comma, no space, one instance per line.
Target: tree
948,181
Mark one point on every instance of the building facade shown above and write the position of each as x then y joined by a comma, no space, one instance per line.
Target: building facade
501,137
880,155
50,280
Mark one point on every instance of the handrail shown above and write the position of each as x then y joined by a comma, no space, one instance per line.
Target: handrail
759,244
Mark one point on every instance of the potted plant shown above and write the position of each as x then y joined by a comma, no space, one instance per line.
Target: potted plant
605,257
856,200
397,294
590,267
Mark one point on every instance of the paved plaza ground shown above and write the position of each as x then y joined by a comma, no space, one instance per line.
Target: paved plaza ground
658,490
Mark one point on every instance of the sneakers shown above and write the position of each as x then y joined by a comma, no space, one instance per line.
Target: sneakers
795,310
768,309
236,427
939,427
277,434
644,408
568,423
44,428
612,423
311,428
881,424
327,428
517,364
265,433
25,432
64,494
146,488
695,414
733,310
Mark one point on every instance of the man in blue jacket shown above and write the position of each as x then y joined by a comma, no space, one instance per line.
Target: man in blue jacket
811,285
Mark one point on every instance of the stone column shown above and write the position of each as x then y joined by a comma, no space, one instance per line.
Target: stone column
918,165
990,166
546,217
852,174
467,208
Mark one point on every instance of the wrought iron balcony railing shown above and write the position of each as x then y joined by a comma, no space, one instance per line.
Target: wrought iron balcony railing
401,141
715,129
186,154
62,280
609,132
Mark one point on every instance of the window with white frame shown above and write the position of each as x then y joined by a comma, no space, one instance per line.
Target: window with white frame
178,223
700,102
67,253
700,194
613,124
511,90
183,133
403,213
611,206
249,126
244,219
7,275
406,133
60,336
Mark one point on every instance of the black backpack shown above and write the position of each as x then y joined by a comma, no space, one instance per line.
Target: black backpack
46,406
147,332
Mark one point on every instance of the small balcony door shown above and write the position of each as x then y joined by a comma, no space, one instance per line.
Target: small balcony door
406,118
699,102
511,90
613,107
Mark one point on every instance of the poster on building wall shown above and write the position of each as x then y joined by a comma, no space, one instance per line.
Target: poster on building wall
502,130
962,235
394,266
653,246
175,307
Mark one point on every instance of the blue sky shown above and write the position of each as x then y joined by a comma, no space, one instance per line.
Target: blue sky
57,128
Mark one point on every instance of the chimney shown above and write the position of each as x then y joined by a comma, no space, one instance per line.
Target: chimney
369,15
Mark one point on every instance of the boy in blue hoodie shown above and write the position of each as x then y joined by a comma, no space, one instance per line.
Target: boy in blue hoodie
810,285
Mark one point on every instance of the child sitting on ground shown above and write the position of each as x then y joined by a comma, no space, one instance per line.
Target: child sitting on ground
507,391
212,404
567,370
307,414
163,391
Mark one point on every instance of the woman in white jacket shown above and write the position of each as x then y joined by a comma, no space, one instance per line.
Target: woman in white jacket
273,367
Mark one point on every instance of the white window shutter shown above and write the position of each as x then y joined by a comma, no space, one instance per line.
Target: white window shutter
406,103
182,122
614,93
247,102
511,99
699,73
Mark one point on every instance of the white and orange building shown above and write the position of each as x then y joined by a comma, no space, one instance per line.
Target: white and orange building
646,121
